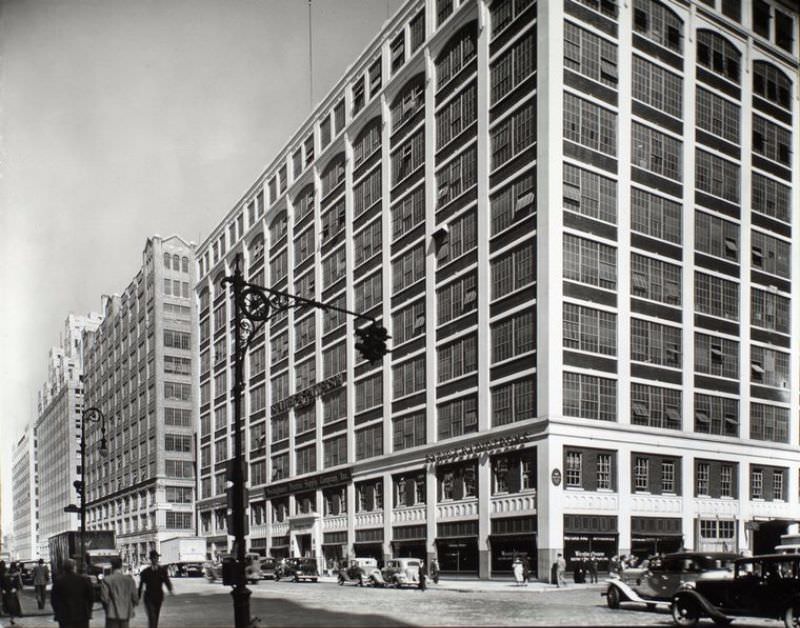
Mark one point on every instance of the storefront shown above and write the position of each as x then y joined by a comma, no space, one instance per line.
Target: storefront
513,537
279,548
409,542
369,544
457,547
334,549
590,537
258,546
655,535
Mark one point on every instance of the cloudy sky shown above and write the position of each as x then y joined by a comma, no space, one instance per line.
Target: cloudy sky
123,119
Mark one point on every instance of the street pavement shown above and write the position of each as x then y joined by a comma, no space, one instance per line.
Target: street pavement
201,604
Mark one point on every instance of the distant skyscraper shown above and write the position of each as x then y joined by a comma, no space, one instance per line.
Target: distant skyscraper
25,497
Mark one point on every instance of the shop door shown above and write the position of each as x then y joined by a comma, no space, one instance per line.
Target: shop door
304,545
458,556
767,536
506,549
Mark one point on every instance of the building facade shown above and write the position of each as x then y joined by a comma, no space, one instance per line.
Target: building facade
25,496
140,365
58,432
575,219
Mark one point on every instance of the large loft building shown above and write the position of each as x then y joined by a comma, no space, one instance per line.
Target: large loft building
575,218
24,497
139,368
58,431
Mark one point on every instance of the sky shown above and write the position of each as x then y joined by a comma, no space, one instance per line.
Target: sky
119,120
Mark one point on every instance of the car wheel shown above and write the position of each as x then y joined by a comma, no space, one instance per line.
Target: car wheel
613,597
685,613
791,617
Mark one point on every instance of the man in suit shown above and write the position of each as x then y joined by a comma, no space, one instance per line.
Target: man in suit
119,596
72,598
152,579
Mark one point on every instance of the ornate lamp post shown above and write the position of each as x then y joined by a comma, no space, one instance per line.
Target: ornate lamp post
95,416
253,306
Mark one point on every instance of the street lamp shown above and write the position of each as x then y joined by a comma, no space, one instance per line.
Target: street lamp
95,416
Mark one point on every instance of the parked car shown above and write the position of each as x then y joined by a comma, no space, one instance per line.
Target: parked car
26,571
401,572
363,571
298,569
268,566
663,576
762,586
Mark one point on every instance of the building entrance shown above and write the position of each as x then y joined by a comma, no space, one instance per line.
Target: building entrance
767,535
458,555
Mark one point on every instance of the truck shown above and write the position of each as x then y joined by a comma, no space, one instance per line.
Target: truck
184,555
100,547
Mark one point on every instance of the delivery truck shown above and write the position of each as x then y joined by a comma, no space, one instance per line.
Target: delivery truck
100,546
184,555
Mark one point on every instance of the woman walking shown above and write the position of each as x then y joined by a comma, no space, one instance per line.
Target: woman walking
10,583
518,570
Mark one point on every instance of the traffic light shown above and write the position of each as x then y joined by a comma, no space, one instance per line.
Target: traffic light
371,343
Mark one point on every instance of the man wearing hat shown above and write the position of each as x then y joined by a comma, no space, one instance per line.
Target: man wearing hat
152,579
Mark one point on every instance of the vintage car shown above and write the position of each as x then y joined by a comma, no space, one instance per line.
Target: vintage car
362,571
401,572
268,566
298,569
762,586
657,583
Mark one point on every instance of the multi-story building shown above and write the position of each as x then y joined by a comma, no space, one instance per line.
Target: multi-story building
139,368
24,497
575,218
58,432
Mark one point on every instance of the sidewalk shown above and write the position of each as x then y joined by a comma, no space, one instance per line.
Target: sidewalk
473,585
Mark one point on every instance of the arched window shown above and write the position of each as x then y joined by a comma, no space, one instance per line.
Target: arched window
256,249
333,174
367,141
219,287
176,262
772,84
303,203
277,228
457,52
718,55
658,23
410,100
167,257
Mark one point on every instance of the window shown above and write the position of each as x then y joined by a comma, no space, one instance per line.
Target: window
590,125
179,520
369,292
456,177
304,331
457,53
641,474
503,12
588,54
369,442
655,344
367,242
457,298
757,484
513,134
176,391
176,365
334,451
279,387
769,310
717,529
179,468
280,427
306,460
398,51
655,406
333,174
325,131
179,417
657,152
408,431
334,406
604,471
417,28
333,221
367,192
367,142
278,267
771,140
515,401
655,280
716,356
590,397
716,297
590,262
769,423
178,442
657,87
334,360
177,339
333,319
772,84
305,419
279,347
513,203
718,55
410,100
702,471
338,125
514,335
277,228
280,471
408,157
305,374
408,377
585,329
458,417
408,213
369,392
179,494
444,8
457,358
304,245
726,481
375,77
656,22
761,18
408,323
667,476
573,469
588,193
518,63
784,31
770,255
408,268
513,270
334,267
456,116
769,367
716,176
656,216
461,238
717,237
777,485
770,197
717,115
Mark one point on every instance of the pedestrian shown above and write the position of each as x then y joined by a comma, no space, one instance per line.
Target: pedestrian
592,570
526,570
517,569
562,568
435,570
72,598
118,595
423,574
11,583
153,579
554,573
41,576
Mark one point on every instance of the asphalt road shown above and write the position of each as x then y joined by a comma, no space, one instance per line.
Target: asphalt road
200,604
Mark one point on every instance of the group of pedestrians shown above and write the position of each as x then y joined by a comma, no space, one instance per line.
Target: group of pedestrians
521,568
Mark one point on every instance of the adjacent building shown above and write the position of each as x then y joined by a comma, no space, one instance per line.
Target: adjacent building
25,497
576,219
140,365
57,432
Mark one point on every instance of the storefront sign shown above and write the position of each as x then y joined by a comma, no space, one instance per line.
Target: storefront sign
492,446
555,476
308,484
306,397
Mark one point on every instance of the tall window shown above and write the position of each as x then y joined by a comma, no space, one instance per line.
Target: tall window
408,431
462,237
772,84
457,298
398,51
588,193
409,212
457,176
656,280
457,358
726,480
717,115
770,255
716,296
367,192
369,292
459,51
715,236
369,442
588,329
655,406
588,54
457,417
757,484
515,401
769,310
590,262
333,221
408,268
769,367
334,406
408,377
641,474
410,100
515,65
604,471
655,21
516,335
771,140
513,270
590,125
306,460
408,157
769,423
367,142
590,397
334,451
417,30
657,152
716,356
573,469
770,197
718,55
369,392
367,242
457,115
655,344
656,216
657,87
513,203
409,322
702,472
513,134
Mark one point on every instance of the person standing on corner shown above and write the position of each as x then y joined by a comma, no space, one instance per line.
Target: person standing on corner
423,575
119,596
562,568
72,598
41,576
152,579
